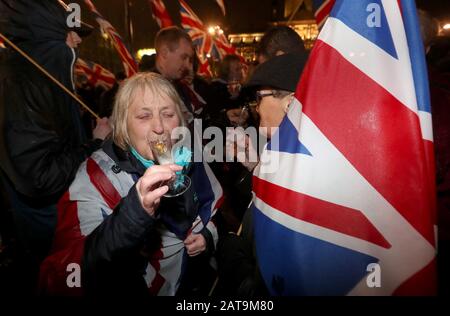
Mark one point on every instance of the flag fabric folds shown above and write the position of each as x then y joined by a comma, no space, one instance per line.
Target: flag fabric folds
160,13
128,61
351,208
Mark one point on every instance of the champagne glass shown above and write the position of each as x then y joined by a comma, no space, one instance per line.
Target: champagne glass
162,153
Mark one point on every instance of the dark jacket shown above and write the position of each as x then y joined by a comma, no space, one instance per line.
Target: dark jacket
239,273
42,141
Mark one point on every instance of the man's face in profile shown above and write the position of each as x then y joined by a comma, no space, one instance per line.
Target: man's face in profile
179,61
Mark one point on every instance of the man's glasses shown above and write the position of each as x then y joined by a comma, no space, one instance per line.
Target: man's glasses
262,94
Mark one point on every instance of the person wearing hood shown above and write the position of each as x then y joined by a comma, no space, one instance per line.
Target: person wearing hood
42,141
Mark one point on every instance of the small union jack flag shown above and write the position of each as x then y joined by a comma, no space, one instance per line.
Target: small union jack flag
128,61
94,74
207,45
160,13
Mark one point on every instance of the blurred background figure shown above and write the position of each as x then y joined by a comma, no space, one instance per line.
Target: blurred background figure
107,97
226,96
279,40
147,63
437,50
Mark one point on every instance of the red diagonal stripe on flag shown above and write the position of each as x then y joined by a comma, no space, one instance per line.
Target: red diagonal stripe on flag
318,212
102,184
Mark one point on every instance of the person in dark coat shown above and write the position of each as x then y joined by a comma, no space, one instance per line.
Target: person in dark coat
42,142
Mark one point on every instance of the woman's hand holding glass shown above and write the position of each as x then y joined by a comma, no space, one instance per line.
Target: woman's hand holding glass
164,154
151,186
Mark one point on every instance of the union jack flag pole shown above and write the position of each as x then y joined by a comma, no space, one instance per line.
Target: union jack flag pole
129,23
128,61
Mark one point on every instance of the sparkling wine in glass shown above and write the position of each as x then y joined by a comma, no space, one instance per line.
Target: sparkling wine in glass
162,152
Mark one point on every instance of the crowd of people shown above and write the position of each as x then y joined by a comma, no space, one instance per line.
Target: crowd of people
96,197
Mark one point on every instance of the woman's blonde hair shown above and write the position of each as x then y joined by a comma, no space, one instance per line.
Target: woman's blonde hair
157,85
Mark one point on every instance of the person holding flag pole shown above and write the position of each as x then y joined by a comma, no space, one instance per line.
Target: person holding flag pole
42,140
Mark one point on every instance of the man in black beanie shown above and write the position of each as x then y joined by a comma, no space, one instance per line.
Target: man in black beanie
42,141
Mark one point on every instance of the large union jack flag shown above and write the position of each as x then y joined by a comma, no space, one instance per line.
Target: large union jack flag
93,74
128,61
206,44
160,13
355,186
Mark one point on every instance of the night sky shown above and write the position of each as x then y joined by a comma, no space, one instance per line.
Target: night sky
242,16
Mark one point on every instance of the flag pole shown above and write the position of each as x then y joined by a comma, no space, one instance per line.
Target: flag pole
299,4
129,25
59,84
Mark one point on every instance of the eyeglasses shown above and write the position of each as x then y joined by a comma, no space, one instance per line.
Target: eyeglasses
262,94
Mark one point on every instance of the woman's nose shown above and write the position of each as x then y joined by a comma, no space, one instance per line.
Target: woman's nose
158,127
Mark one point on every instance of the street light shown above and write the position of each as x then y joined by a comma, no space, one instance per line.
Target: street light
446,27
145,51
215,30
211,30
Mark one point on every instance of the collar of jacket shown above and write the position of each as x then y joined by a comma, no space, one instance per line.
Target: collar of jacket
124,160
